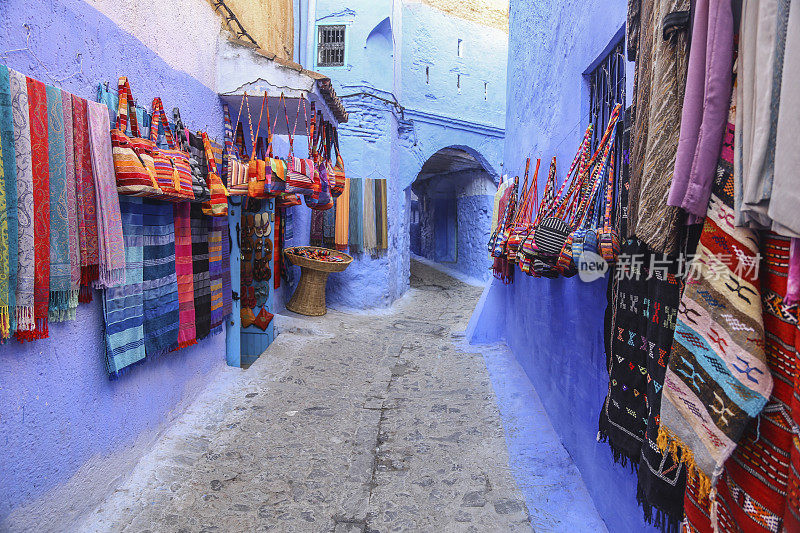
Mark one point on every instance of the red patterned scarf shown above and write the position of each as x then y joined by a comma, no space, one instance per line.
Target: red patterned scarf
37,101
183,266
86,198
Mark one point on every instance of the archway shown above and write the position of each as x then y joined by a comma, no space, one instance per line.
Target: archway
450,204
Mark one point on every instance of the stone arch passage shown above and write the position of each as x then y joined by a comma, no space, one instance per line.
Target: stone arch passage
450,204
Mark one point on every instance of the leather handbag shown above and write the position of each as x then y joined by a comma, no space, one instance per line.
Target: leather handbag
173,172
133,156
235,170
217,204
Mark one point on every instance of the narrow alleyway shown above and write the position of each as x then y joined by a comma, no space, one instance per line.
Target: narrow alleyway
348,423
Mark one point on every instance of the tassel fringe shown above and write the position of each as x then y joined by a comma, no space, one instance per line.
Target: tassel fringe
5,322
24,316
109,278
669,443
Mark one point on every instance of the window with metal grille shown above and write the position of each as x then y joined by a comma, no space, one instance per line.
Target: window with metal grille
606,90
330,46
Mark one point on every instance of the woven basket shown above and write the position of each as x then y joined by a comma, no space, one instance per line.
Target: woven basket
309,297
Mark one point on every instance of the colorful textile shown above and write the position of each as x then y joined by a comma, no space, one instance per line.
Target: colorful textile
356,239
183,269
123,304
8,212
20,114
757,491
660,71
111,249
329,227
717,379
159,279
63,299
705,106
370,232
642,311
202,281
215,269
317,235
37,99
342,209
381,215
72,198
227,295
85,198
793,283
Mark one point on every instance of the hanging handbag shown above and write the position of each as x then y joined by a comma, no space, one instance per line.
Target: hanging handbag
133,156
193,145
173,172
321,200
608,236
235,170
259,172
336,175
299,172
217,204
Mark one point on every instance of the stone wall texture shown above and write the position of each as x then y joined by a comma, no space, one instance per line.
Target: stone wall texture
492,13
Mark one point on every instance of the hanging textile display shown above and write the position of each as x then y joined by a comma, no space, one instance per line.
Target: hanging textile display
661,63
37,99
8,209
317,234
718,378
342,229
63,299
227,295
160,284
356,226
370,232
329,227
24,293
185,276
72,199
123,305
111,251
381,214
757,490
215,270
202,280
85,198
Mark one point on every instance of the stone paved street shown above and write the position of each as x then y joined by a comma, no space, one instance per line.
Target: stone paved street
347,423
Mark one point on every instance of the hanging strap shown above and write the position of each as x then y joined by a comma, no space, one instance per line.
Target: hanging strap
126,107
158,116
520,207
609,194
269,128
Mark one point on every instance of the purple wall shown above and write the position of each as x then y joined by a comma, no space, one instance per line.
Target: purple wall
57,407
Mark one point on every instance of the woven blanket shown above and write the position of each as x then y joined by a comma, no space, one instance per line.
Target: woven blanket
159,279
342,209
758,489
642,311
316,234
183,269
717,379
63,299
381,215
37,100
8,209
227,295
111,250
20,114
356,230
329,227
215,269
370,231
202,281
123,305
86,198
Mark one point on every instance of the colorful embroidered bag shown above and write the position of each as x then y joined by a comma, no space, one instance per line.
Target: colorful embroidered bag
321,200
173,172
299,172
235,169
336,175
217,204
133,156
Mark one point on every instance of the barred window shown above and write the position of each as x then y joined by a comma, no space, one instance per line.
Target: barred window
330,46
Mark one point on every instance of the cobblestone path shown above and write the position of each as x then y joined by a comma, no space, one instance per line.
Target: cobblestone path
348,423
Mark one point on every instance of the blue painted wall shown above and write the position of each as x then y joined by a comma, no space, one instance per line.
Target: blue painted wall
555,327
58,409
389,44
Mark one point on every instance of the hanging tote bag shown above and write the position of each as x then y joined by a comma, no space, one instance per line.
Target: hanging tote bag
321,200
235,169
299,172
608,236
258,171
519,230
336,175
173,172
133,156
192,145
497,243
217,204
